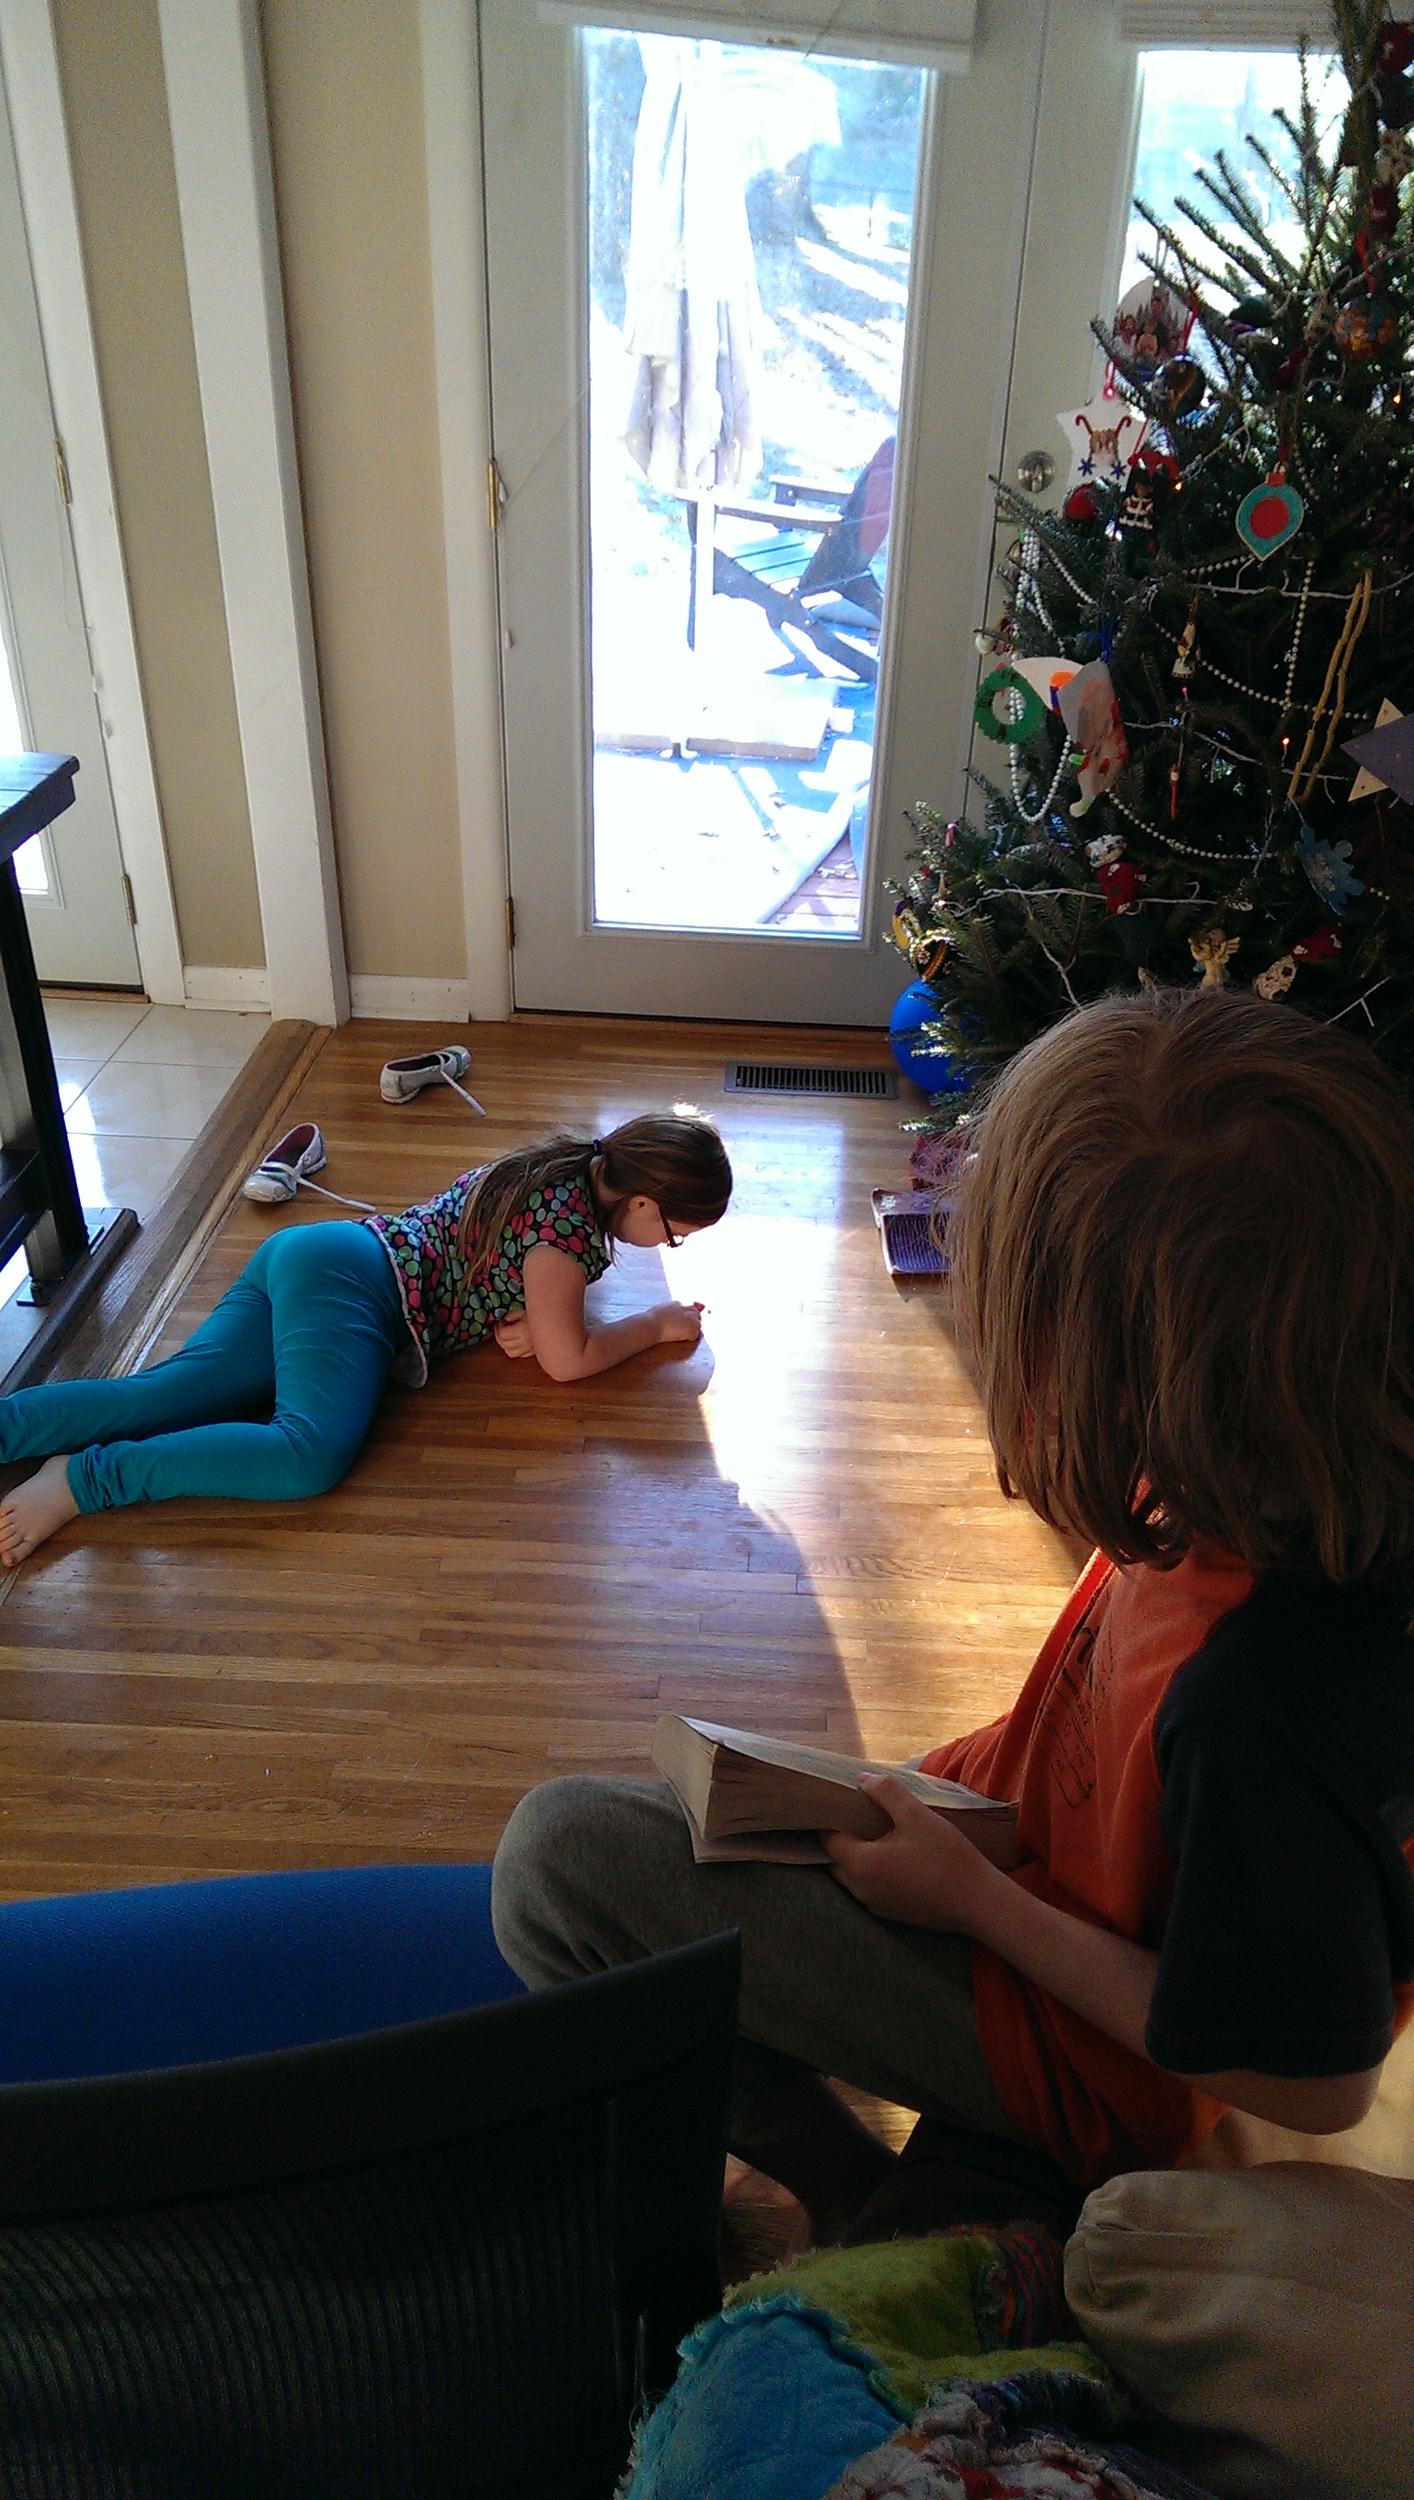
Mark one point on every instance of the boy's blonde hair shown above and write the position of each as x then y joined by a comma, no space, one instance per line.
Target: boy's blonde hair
1186,1253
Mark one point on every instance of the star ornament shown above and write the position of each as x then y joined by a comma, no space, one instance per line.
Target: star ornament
1385,754
1104,439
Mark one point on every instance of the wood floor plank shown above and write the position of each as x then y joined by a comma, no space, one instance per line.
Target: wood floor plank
796,1526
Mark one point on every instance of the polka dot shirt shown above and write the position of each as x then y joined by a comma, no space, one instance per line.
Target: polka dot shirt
445,1312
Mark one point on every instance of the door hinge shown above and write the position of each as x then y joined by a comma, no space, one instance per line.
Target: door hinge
495,497
61,472
128,899
511,922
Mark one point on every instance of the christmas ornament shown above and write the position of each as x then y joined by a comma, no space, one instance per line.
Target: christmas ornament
1212,952
1021,711
1181,385
1081,504
992,641
1394,91
1327,864
1104,438
1322,945
1395,160
1250,312
1270,515
925,1063
1090,710
1387,750
1364,329
1277,979
1046,674
927,949
1330,702
1185,651
1117,877
1151,324
1136,513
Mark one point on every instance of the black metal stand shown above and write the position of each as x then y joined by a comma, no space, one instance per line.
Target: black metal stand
68,1247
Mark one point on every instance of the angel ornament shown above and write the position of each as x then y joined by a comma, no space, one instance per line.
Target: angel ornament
1213,951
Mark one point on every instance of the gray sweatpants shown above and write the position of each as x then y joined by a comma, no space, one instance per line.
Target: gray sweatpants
594,1872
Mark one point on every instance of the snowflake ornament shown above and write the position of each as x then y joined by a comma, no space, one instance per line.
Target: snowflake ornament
1327,864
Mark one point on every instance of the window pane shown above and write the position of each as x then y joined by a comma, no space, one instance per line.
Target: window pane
750,240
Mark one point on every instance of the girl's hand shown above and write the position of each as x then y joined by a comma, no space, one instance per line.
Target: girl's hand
921,1871
513,1335
679,1323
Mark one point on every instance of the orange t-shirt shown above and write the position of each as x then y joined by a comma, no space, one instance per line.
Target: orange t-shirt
1078,1753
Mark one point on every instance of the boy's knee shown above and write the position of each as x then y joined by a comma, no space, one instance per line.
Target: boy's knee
528,1875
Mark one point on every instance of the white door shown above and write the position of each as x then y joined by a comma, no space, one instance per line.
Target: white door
708,762
71,875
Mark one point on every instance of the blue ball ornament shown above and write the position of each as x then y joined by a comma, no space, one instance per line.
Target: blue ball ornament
934,1070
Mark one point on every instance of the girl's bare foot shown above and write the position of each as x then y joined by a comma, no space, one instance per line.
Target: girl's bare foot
33,1511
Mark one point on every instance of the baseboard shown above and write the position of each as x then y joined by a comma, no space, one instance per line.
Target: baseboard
227,985
409,1002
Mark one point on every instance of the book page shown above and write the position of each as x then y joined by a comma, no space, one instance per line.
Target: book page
843,1768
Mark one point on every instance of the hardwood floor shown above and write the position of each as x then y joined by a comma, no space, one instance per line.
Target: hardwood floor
796,1527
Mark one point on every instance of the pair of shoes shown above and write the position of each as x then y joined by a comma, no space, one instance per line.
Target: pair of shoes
402,1078
287,1169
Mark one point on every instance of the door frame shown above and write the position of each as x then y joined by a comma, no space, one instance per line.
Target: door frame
29,67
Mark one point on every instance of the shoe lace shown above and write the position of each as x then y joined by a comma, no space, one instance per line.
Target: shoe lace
361,1203
466,1097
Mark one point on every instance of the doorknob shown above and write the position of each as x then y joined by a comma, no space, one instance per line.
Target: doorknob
1034,471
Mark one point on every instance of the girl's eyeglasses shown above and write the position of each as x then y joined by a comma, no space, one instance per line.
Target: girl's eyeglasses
671,1240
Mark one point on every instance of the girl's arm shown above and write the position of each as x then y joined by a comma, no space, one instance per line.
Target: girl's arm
927,1874
561,1339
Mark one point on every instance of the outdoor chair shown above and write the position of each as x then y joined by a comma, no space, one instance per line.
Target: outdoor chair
446,2258
811,571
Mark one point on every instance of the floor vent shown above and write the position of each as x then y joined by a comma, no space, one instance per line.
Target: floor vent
766,1076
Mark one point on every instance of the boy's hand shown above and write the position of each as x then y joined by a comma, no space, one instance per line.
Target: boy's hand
513,1335
679,1323
921,1871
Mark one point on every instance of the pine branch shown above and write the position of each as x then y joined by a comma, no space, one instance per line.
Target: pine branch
1231,192
1279,175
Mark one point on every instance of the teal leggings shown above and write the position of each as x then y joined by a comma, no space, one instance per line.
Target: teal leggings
303,1340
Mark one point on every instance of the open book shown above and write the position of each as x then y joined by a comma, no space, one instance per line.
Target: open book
750,1796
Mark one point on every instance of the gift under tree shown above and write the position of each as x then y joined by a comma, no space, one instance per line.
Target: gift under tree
1201,690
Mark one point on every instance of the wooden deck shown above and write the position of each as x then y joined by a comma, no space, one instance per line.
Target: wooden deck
797,1527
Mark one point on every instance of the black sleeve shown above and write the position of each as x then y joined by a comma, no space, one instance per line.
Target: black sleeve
1276,1953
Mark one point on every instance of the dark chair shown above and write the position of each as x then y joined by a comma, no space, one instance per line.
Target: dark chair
811,571
444,2259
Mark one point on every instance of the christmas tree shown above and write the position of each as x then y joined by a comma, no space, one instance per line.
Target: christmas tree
1221,609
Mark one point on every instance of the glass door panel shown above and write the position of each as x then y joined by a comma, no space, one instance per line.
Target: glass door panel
750,239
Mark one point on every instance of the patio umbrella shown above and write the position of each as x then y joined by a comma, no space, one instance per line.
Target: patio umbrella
692,311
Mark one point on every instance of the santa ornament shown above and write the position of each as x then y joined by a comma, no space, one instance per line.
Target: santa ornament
1118,879
1090,709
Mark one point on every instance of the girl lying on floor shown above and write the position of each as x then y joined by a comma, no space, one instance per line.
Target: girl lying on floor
273,1397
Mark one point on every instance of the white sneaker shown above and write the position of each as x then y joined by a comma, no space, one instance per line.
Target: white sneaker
402,1078
299,1152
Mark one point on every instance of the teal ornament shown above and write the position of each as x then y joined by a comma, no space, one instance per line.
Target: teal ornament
1024,712
1269,516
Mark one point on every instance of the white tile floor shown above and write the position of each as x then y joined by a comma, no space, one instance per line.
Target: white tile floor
138,1083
